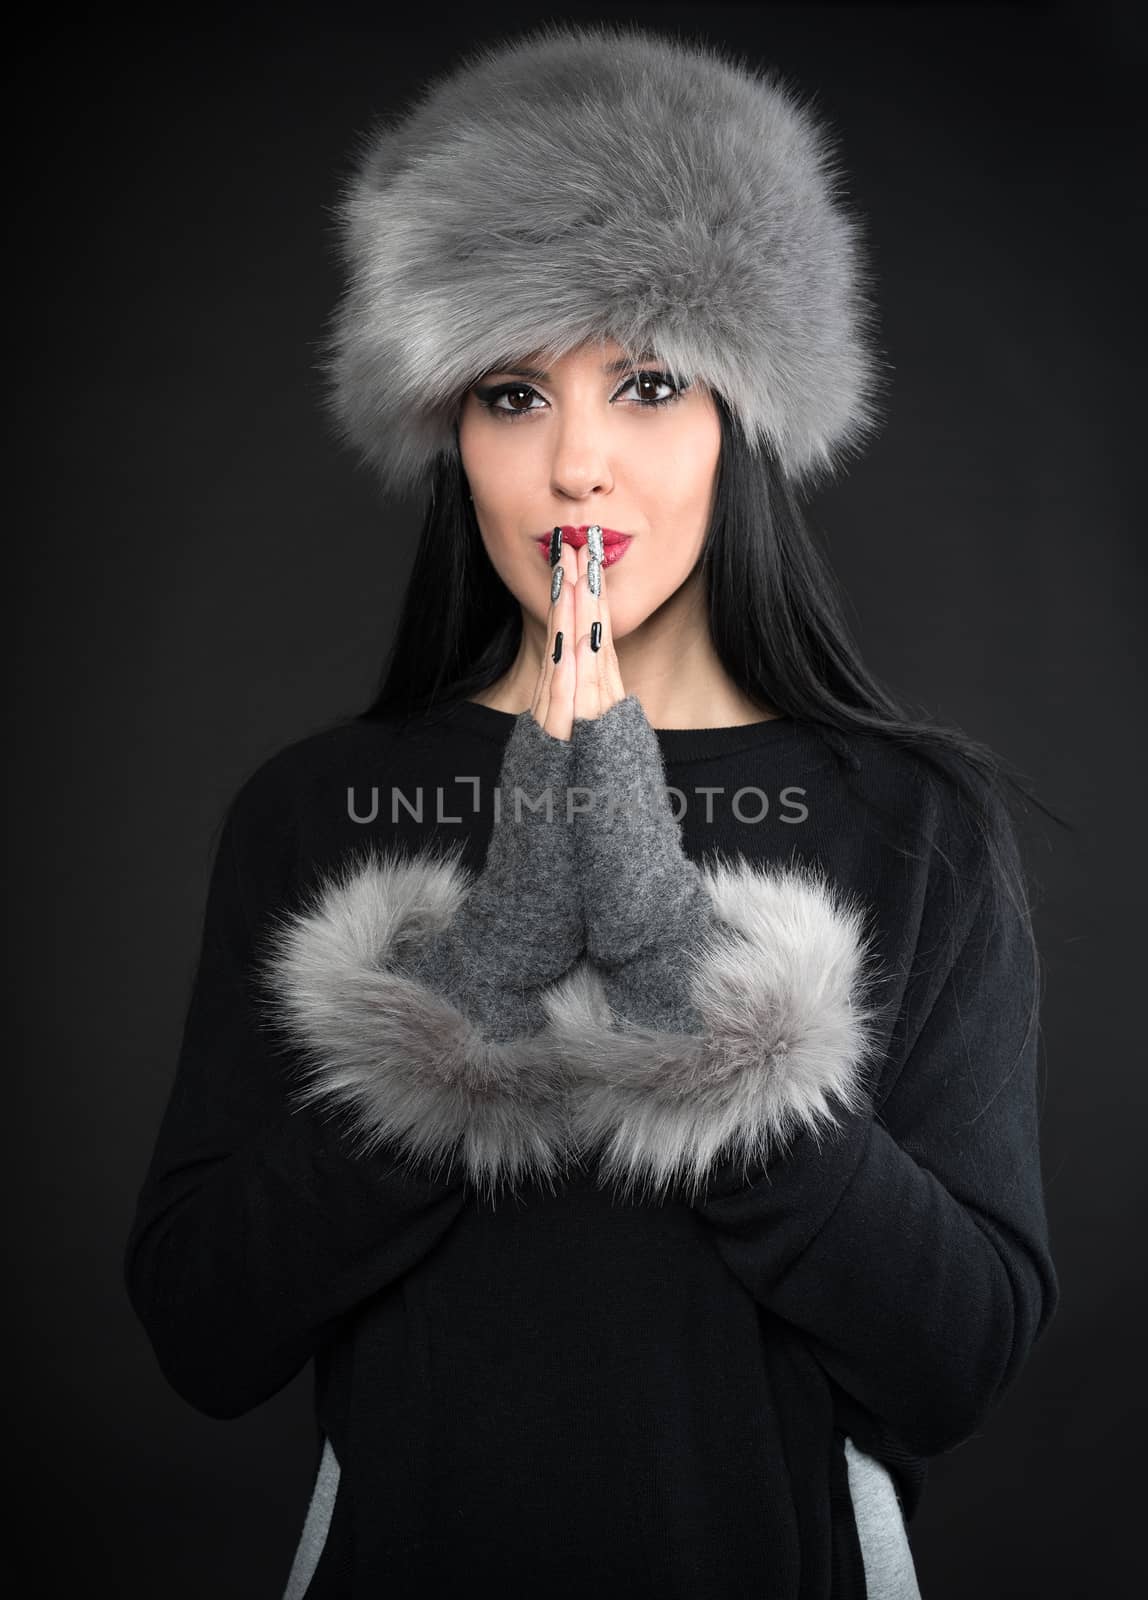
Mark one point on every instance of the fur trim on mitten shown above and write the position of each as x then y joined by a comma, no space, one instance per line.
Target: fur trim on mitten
780,982
409,1064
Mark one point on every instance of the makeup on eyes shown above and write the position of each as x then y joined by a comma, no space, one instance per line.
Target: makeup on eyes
488,395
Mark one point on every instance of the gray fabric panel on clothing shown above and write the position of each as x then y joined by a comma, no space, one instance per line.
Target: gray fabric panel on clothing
314,1535
889,1570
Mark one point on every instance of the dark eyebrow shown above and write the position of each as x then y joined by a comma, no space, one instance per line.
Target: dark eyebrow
626,364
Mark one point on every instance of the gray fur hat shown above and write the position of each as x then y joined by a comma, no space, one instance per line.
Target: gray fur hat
588,182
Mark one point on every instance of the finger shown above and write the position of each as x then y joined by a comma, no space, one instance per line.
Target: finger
610,672
556,685
541,698
587,694
564,672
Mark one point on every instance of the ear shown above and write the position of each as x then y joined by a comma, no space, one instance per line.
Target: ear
407,1063
780,983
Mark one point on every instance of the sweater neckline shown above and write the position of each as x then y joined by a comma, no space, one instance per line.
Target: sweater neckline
677,744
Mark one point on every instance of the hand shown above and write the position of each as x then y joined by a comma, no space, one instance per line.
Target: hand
637,887
584,682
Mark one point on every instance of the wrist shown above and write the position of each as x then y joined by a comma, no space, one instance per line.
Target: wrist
638,886
523,914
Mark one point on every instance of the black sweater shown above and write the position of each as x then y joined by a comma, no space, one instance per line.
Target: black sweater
573,1389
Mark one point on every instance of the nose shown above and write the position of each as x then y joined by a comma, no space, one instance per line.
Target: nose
580,462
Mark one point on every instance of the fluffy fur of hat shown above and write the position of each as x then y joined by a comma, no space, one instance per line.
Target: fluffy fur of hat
583,183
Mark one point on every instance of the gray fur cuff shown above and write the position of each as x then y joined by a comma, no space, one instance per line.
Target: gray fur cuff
780,980
407,1062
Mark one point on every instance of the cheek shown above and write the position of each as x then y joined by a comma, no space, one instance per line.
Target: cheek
700,453
678,486
478,450
499,486
503,479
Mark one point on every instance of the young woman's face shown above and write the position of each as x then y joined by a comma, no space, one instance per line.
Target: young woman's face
584,444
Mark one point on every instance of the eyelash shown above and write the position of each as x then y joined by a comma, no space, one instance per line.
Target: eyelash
488,398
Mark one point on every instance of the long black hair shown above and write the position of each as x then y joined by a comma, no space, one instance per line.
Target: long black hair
776,621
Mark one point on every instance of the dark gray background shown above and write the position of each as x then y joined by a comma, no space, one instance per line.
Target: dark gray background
198,576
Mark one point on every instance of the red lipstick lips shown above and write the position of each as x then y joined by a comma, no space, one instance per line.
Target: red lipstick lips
614,544
577,536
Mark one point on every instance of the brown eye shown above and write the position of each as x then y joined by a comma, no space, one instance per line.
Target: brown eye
493,398
650,380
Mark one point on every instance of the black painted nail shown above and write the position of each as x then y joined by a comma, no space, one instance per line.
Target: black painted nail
595,635
557,656
555,547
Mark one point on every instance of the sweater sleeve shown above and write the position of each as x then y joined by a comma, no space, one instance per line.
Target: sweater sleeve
257,1225
912,1247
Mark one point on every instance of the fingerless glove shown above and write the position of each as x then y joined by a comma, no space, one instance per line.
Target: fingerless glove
418,988
722,1009
518,926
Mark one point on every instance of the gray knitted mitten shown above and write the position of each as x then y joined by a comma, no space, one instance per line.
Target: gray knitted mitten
645,907
519,927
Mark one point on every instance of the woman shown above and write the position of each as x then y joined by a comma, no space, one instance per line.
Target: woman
654,1182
